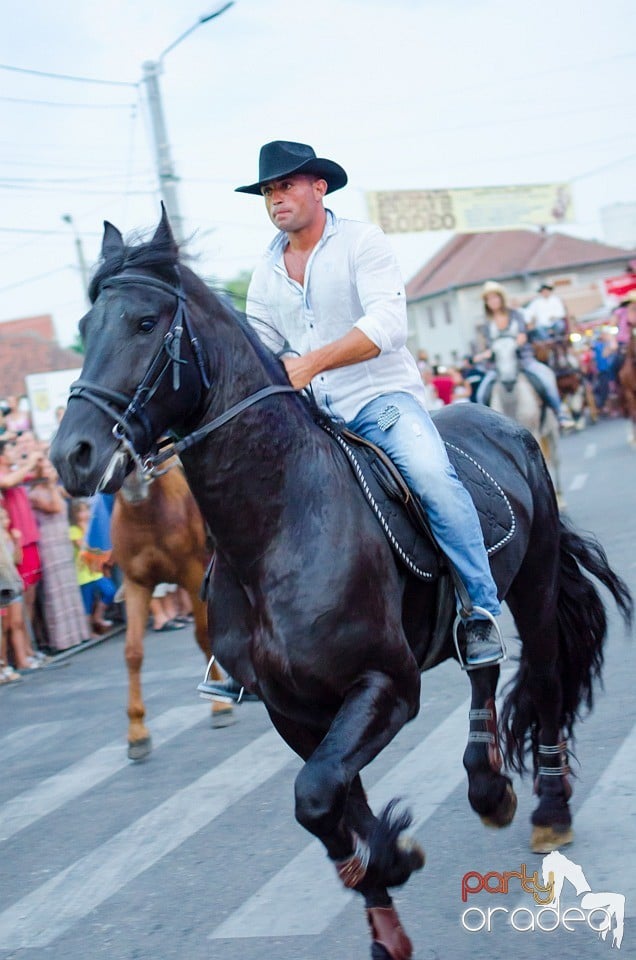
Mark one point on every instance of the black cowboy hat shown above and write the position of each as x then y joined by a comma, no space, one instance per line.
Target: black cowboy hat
545,286
280,158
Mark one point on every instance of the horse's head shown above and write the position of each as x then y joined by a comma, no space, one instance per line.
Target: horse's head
504,351
143,372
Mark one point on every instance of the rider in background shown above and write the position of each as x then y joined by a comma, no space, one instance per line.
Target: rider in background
504,321
546,314
329,299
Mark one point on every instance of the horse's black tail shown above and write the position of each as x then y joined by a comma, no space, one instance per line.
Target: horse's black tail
582,628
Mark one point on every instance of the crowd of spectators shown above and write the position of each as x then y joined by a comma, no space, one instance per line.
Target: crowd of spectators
58,552
51,613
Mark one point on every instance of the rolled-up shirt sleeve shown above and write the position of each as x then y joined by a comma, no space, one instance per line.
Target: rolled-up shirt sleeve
258,314
381,292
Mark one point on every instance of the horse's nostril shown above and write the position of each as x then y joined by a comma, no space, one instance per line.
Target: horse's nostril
82,454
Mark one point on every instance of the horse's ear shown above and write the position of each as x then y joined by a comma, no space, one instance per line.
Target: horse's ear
163,233
113,242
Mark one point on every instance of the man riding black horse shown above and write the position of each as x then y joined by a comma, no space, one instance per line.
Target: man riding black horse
328,298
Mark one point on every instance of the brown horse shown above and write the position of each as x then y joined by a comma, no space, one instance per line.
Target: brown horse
574,389
158,536
627,381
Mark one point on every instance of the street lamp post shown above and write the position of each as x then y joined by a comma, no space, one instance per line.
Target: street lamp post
168,178
81,260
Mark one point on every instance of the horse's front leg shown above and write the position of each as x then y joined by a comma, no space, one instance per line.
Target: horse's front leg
490,792
137,601
330,803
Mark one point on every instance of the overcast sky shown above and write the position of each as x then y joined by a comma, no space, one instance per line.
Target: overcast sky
402,93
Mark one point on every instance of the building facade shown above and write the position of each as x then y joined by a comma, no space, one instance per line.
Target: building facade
444,304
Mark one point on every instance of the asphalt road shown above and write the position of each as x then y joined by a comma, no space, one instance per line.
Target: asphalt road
195,853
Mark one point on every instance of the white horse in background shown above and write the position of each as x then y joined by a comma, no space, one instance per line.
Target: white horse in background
613,904
514,395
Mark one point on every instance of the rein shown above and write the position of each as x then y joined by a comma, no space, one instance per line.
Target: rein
112,402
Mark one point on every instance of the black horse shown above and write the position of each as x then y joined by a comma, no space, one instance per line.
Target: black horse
309,606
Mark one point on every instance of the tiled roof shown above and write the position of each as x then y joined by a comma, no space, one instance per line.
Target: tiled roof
472,258
29,352
42,325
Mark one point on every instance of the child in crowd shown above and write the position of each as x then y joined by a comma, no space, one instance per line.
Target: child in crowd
15,637
97,590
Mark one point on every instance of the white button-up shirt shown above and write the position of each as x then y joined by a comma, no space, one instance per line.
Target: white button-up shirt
351,280
543,311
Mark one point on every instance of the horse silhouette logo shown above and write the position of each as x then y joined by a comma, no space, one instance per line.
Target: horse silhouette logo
556,868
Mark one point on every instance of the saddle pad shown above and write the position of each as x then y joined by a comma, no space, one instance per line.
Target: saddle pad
400,515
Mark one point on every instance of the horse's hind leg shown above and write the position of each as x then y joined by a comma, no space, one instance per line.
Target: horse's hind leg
137,601
534,706
490,792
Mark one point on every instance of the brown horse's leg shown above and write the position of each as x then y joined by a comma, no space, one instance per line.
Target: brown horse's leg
591,401
137,600
223,714
490,792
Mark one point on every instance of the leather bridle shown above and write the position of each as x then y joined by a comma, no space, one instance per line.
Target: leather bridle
126,411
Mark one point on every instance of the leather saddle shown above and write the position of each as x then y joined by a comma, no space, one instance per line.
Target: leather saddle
401,515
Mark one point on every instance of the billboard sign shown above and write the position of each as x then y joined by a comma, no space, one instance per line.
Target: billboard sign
471,210
48,396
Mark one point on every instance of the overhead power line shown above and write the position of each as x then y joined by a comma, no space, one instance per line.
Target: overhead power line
60,103
64,76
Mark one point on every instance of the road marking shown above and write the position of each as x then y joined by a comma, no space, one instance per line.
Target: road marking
604,831
579,481
590,451
50,794
45,914
306,893
605,827
21,741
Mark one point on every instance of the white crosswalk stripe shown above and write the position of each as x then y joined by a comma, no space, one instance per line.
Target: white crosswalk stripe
21,741
43,915
308,899
50,794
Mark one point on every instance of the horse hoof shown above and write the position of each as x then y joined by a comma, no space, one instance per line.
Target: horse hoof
504,814
223,717
390,942
139,749
379,953
412,850
547,839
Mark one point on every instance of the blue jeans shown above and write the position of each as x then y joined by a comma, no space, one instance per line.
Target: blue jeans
398,424
103,589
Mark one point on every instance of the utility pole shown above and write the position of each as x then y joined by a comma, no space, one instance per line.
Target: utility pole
81,260
168,178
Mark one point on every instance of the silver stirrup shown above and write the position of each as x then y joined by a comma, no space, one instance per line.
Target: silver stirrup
217,696
478,666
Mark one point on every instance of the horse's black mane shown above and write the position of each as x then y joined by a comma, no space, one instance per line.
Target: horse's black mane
160,256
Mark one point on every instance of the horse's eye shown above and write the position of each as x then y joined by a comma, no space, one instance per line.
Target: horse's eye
147,324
